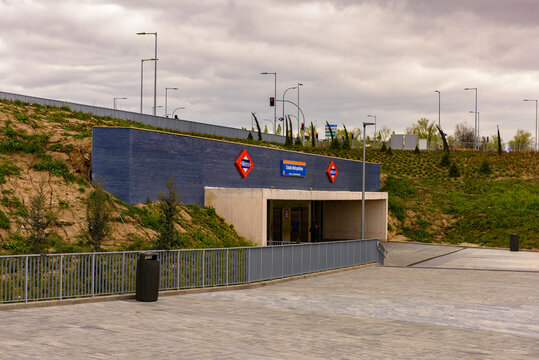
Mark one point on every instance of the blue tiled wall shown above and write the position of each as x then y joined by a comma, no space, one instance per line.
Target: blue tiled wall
135,164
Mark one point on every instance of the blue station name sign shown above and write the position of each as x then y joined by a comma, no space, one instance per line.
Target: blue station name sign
293,168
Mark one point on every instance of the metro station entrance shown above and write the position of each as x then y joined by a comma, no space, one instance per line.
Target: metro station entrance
294,221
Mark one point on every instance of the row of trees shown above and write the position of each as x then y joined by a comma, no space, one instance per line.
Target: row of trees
42,216
464,135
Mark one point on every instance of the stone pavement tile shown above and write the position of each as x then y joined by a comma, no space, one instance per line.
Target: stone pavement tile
405,254
377,312
485,258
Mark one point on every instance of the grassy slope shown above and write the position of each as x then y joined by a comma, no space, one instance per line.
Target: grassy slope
51,147
425,204
474,208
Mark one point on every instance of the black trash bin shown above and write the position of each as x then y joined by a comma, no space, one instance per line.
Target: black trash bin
513,242
147,280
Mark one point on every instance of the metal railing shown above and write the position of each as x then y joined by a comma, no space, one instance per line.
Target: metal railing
26,278
157,121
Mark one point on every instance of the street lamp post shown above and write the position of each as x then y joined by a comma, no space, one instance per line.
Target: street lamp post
155,71
120,98
142,79
365,124
166,97
374,116
535,120
284,94
476,133
303,135
179,108
297,118
439,123
471,112
275,99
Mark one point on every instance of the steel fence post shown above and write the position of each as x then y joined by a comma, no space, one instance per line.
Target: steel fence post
61,275
93,274
248,266
227,267
123,272
178,270
26,279
203,267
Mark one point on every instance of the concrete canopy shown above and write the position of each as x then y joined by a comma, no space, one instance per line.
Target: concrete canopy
246,209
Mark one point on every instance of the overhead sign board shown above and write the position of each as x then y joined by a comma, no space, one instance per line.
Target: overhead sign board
244,163
293,168
333,129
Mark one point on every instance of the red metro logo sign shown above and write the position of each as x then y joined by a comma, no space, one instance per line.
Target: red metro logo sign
332,172
244,163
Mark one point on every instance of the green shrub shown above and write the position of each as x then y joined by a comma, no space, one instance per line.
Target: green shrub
55,167
4,221
98,217
383,148
7,169
454,171
21,117
485,167
446,160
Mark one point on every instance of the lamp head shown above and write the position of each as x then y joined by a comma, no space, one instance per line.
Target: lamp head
367,123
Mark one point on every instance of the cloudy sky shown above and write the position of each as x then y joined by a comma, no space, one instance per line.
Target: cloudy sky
354,58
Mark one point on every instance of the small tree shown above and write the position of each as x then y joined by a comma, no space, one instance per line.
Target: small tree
257,127
499,141
98,216
465,135
454,171
346,141
444,140
383,148
298,142
416,150
39,218
279,129
389,152
287,141
168,206
485,168
313,134
446,160
250,136
266,129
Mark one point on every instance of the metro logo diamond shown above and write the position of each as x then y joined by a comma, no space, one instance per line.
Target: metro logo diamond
244,163
332,172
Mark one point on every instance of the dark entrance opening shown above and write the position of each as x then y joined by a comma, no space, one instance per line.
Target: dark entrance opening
289,221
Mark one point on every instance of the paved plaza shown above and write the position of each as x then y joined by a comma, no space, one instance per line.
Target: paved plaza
443,310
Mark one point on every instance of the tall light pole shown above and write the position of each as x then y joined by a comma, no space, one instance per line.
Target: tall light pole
122,98
166,96
535,121
471,112
439,123
476,133
303,136
365,124
284,94
142,79
374,116
275,99
179,108
155,70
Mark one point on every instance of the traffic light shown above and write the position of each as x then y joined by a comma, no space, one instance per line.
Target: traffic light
317,135
302,126
272,101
